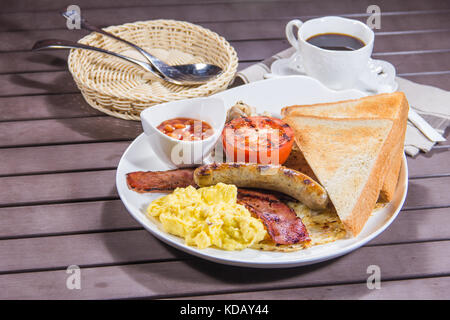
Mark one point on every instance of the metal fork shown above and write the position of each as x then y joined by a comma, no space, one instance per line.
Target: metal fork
66,44
176,78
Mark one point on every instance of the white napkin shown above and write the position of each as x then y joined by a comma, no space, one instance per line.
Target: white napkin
432,103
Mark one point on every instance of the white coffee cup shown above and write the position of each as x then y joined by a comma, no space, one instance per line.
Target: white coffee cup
334,68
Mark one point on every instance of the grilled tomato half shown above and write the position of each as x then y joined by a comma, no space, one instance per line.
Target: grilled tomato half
258,139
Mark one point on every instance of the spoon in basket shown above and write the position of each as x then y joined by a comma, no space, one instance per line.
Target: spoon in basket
177,78
181,74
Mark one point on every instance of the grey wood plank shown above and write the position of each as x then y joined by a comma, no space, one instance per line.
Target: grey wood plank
57,82
85,249
61,158
24,40
59,219
415,226
433,163
407,21
37,83
48,5
245,29
61,187
27,61
197,277
418,63
213,12
58,187
437,80
427,193
410,42
411,289
73,105
103,155
45,107
22,133
82,217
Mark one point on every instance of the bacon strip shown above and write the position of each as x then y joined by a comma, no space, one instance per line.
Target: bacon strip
160,181
282,224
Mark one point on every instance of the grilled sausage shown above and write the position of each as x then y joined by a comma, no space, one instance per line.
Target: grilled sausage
270,177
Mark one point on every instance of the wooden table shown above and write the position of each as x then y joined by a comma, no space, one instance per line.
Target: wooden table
58,200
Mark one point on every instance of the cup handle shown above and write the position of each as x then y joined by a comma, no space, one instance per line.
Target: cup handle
290,32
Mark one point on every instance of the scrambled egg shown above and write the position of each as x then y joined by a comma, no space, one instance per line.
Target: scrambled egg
207,217
323,226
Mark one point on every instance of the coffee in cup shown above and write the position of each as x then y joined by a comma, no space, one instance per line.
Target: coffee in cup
334,50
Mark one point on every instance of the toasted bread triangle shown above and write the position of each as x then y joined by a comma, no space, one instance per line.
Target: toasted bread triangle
385,106
392,106
346,156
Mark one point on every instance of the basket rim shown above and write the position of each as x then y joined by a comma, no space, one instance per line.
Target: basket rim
195,91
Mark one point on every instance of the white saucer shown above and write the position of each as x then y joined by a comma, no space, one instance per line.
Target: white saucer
379,78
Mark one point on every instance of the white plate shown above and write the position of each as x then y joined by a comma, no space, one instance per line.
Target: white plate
268,95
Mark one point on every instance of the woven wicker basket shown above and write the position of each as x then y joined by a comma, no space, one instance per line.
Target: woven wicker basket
123,90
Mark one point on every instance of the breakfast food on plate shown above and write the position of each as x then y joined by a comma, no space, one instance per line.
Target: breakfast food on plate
241,109
160,181
297,161
324,226
245,175
347,157
186,129
278,212
271,177
258,139
207,217
286,230
230,218
392,106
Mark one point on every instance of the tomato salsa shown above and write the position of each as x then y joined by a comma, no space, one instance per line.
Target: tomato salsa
260,139
186,129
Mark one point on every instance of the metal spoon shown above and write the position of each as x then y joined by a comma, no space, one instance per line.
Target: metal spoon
180,74
176,78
